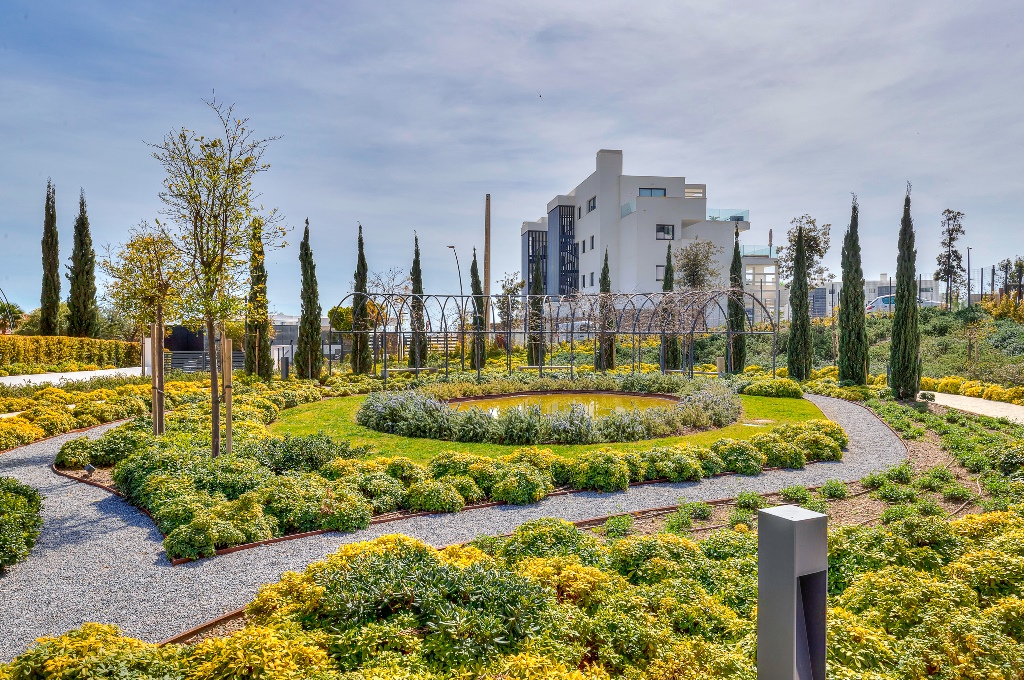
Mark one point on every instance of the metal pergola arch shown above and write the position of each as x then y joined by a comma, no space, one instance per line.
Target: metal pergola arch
567,318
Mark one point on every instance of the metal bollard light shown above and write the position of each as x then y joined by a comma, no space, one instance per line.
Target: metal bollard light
284,368
792,591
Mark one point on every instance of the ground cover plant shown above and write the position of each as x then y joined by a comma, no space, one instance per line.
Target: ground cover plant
419,413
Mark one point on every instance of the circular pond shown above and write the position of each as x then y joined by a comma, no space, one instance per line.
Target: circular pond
596,403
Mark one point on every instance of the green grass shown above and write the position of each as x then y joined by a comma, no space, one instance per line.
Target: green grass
337,417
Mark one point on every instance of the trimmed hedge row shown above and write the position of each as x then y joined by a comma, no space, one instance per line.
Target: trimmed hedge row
50,350
20,522
272,487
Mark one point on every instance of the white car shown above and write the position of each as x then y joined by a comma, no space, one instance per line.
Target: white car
887,303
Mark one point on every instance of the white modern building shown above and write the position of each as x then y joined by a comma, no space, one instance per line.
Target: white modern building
634,218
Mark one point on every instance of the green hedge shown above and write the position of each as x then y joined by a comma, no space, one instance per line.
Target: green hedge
50,350
20,522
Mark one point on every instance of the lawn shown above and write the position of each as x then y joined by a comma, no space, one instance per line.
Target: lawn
336,417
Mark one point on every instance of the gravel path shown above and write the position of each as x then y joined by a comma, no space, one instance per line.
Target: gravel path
983,407
100,559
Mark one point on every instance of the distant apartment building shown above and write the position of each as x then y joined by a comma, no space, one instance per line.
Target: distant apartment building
632,217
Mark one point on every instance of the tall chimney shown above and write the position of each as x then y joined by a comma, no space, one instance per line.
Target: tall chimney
487,261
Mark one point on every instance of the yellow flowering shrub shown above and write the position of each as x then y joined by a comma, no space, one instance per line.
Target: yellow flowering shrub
260,653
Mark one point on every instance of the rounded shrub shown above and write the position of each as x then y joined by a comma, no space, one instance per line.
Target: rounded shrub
344,510
466,487
819,447
739,456
601,470
20,522
74,454
774,387
834,489
433,496
521,485
778,452
386,493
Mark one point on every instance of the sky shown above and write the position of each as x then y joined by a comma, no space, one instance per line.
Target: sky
403,115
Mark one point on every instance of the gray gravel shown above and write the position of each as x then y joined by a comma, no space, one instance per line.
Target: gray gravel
100,559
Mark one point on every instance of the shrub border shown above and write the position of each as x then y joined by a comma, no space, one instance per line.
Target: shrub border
547,393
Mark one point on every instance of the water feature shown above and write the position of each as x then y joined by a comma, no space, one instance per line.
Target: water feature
596,403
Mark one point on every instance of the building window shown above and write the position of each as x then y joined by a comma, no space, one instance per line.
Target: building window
591,278
584,242
591,242
659,272
583,280
665,232
592,204
579,212
653,192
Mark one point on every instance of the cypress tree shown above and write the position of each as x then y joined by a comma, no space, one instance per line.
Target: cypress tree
257,319
361,360
49,300
736,311
534,350
605,359
419,349
799,351
83,313
673,345
853,333
478,350
309,357
904,370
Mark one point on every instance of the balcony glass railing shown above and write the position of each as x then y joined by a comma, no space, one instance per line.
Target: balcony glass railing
729,215
759,251
628,208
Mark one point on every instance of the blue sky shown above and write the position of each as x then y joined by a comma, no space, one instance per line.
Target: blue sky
402,115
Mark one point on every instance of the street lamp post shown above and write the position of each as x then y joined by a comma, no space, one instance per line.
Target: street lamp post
969,276
462,311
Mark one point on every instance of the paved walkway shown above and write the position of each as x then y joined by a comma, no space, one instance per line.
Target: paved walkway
100,559
54,378
983,407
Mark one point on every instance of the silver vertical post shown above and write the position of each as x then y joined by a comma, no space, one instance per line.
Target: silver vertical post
792,589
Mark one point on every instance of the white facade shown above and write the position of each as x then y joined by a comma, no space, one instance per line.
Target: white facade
634,218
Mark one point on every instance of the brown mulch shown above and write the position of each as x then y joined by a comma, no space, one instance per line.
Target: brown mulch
104,476
221,630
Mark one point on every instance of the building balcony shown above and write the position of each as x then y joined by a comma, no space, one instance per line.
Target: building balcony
759,251
728,215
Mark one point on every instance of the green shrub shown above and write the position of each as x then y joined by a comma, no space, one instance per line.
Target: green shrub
816,505
679,521
674,463
955,492
739,456
796,494
818,447
834,489
750,500
727,545
699,510
901,474
386,493
601,470
466,487
898,512
774,387
521,484
830,429
295,500
344,510
433,496
874,480
895,493
119,443
929,508
74,454
20,522
778,452
298,453
618,527
547,537
741,516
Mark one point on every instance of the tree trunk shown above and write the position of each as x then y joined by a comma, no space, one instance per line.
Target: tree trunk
227,368
214,388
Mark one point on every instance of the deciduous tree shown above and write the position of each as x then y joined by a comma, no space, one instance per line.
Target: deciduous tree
817,241
950,260
209,203
696,266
